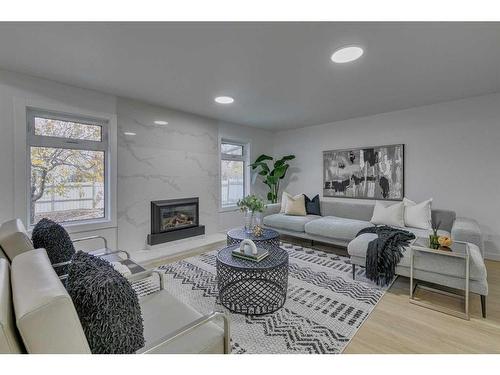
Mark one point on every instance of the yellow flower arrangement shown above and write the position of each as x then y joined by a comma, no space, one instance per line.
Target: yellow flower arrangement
445,241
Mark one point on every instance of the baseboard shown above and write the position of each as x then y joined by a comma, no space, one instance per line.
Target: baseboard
492,256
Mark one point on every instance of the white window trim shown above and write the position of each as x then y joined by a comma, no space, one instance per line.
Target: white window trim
246,170
22,161
35,140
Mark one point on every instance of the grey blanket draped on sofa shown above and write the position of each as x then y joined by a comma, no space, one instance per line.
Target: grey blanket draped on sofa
384,252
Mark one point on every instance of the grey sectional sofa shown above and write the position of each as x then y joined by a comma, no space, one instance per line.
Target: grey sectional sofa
342,220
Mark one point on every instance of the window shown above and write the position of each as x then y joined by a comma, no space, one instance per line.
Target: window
232,170
67,167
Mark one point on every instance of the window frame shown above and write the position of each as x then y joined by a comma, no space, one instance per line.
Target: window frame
34,140
229,157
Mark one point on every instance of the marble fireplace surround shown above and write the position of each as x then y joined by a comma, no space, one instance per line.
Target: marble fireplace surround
172,161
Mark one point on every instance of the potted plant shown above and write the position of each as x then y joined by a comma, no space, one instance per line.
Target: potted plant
250,205
272,176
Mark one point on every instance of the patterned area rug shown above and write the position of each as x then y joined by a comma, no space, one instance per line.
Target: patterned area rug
324,308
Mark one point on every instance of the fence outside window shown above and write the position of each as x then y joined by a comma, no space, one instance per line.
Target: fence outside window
79,202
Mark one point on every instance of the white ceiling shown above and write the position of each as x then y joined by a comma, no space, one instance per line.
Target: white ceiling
280,74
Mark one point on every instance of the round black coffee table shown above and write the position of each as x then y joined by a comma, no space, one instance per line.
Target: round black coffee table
269,238
252,288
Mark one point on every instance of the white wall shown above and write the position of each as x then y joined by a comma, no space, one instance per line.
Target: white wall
18,88
452,153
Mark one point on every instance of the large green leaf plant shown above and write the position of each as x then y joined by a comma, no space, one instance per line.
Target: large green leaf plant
272,177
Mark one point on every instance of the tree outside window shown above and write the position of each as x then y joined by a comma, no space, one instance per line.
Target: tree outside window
67,159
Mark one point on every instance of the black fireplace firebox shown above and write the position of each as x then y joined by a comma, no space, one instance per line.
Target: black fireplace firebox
175,219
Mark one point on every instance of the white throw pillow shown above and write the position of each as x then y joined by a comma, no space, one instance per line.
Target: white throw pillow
284,199
418,215
296,206
392,215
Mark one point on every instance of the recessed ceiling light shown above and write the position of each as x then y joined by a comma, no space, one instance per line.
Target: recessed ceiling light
224,99
129,133
161,122
347,54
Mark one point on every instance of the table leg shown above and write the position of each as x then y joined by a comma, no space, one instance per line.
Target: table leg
411,273
467,277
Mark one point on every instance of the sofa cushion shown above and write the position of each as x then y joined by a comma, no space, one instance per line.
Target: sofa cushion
54,239
347,209
107,306
10,342
336,227
14,239
444,265
164,314
291,223
45,315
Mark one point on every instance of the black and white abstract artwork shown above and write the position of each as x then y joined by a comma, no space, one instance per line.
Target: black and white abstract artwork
364,173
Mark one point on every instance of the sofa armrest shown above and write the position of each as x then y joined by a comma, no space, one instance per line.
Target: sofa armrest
467,230
188,328
272,208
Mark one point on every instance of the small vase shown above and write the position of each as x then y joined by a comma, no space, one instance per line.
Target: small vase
257,219
433,241
249,221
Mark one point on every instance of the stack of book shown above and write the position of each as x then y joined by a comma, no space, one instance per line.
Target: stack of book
247,254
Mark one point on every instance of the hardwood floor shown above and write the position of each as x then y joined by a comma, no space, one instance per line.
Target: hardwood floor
396,326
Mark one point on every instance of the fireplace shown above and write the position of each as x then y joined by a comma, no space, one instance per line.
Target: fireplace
174,214
174,219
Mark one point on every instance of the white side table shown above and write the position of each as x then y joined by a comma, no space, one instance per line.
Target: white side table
420,247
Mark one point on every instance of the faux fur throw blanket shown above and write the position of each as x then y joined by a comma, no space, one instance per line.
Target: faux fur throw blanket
385,252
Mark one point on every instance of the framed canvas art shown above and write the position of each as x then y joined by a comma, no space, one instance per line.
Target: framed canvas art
364,173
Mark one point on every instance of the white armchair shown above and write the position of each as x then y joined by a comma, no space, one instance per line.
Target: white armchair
31,288
42,306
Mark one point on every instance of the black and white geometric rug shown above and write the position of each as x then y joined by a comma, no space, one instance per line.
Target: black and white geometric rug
324,308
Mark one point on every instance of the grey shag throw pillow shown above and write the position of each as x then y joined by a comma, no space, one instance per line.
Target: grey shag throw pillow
54,239
106,304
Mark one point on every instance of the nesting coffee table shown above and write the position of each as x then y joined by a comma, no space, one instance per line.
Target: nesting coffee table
269,238
252,288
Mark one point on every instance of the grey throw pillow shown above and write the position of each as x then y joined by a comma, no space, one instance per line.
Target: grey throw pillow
106,304
54,239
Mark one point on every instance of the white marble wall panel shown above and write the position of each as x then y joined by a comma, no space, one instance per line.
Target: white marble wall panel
170,161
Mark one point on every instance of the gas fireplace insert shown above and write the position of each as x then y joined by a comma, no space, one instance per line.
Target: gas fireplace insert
174,219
